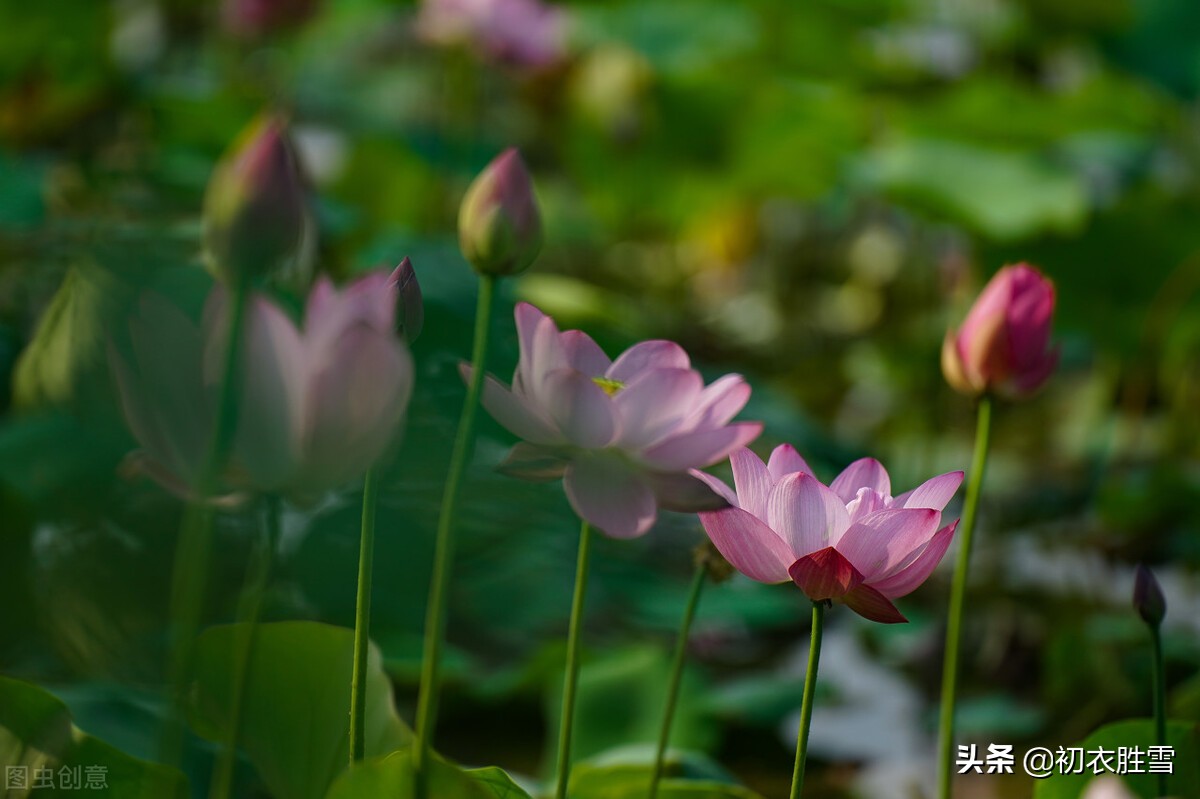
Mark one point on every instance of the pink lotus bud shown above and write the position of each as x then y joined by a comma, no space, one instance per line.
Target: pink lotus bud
410,310
254,214
499,225
1003,345
1148,598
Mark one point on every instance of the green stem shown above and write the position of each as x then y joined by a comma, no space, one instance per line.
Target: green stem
958,592
571,678
247,616
362,619
435,613
681,642
806,706
190,570
1160,700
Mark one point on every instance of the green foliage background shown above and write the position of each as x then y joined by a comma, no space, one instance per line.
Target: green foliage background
807,193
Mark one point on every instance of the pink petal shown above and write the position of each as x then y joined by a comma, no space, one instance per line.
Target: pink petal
584,354
989,309
656,354
652,404
867,502
370,300
872,605
784,461
881,541
933,493
1029,381
863,473
267,442
545,356
717,485
355,401
533,463
750,546
608,494
719,402
513,411
580,408
694,450
1028,317
752,480
824,574
685,492
906,579
807,514
527,318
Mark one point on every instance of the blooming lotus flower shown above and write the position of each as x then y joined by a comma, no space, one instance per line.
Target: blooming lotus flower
625,435
521,33
315,407
851,540
1002,345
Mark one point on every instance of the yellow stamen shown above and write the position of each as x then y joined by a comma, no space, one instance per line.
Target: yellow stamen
610,386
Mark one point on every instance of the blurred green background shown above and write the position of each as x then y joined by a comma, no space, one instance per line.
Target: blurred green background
806,193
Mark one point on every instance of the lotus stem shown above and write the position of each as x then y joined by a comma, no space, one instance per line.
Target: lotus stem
957,599
571,678
806,705
362,618
1160,700
248,614
435,614
685,627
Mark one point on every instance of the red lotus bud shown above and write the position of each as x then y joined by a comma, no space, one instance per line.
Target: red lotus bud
254,209
1003,345
499,225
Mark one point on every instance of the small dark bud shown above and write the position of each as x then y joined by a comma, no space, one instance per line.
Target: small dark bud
410,309
1148,598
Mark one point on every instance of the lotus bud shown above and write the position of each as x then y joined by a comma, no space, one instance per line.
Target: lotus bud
410,310
1003,345
254,209
1148,598
499,225
250,19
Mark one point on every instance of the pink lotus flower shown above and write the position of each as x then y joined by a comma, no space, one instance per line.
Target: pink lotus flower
1003,345
626,436
851,541
315,407
523,33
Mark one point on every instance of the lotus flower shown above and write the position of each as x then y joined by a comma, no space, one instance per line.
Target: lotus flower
522,33
626,435
315,407
851,540
1003,345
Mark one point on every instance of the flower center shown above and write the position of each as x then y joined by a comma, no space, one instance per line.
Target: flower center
610,386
